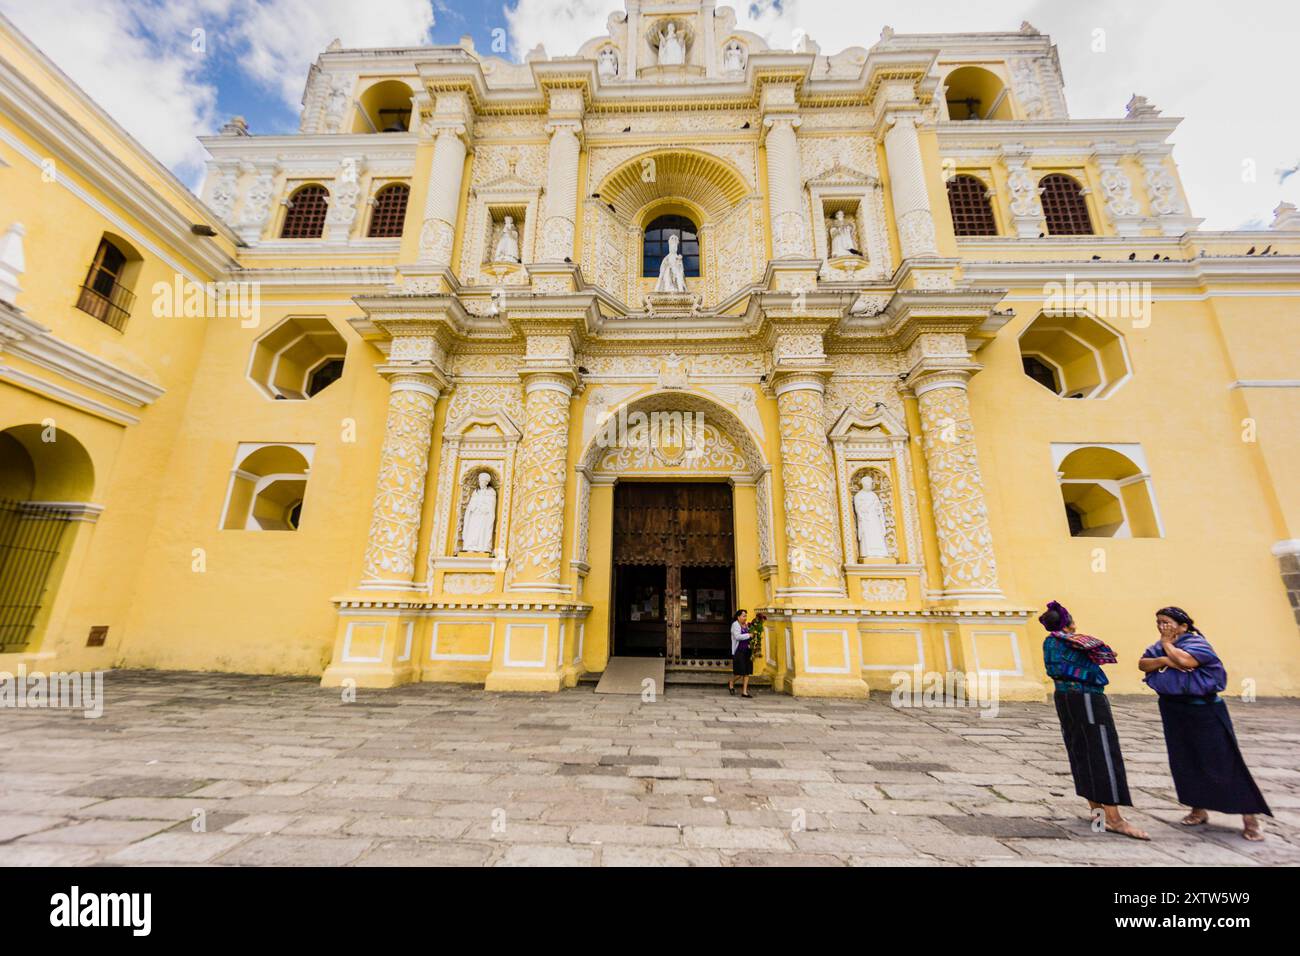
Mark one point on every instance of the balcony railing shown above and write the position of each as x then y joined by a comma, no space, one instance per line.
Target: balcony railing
113,308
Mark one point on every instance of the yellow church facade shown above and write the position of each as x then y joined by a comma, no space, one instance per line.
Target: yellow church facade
494,371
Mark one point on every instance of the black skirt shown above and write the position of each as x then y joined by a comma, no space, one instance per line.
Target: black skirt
742,662
1208,769
1093,747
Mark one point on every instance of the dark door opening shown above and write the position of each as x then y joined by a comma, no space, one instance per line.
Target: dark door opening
674,564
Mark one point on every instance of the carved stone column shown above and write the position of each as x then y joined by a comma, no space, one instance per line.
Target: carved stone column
907,186
561,190
403,466
785,189
956,485
807,472
537,527
450,127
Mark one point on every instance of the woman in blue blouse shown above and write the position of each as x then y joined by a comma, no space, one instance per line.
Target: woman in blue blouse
1208,769
1074,662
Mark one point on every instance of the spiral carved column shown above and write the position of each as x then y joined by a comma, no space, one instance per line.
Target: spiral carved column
956,487
537,527
808,475
399,494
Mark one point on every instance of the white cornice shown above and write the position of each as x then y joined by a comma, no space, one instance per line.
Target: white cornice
1042,138
1242,270
27,339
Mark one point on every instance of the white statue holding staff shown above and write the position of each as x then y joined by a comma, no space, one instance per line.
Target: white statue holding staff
480,516
872,540
672,47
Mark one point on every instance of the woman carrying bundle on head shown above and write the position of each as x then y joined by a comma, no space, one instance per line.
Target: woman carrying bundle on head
1073,661
1208,769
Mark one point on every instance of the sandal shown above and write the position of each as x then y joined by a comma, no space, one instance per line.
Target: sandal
1195,819
731,691
1127,829
750,696
1252,832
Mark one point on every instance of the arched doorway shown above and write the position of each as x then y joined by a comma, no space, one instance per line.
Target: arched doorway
46,478
685,489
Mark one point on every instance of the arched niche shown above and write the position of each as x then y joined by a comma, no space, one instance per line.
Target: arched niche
478,438
1106,491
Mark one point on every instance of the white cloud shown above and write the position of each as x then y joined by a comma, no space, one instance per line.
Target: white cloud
278,41
135,58
153,91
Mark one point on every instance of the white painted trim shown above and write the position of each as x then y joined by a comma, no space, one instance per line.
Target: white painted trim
844,638
546,637
1266,383
864,633
433,643
1015,653
1291,546
347,643
410,638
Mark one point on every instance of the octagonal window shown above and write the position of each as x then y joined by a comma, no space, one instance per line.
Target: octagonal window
298,358
1074,356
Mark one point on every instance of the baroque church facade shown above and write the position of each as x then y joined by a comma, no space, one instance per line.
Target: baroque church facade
495,370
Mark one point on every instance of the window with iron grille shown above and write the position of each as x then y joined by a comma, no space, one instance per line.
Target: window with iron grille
305,218
1064,206
103,294
972,213
656,245
389,211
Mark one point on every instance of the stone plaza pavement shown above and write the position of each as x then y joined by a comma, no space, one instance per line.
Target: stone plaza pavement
288,774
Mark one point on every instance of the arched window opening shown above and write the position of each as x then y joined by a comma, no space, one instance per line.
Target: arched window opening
974,93
972,213
389,211
1106,491
1064,206
106,293
305,218
655,246
267,486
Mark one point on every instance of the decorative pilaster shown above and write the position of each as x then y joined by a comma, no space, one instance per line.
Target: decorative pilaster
1168,211
561,190
1022,184
1123,210
537,528
807,472
399,492
784,187
450,126
956,486
907,187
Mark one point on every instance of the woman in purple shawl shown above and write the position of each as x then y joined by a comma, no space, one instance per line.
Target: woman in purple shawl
1206,763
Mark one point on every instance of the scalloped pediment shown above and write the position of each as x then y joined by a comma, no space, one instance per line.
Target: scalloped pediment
842,175
874,425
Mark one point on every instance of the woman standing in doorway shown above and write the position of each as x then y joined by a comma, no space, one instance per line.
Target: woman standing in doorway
1073,661
1206,763
742,663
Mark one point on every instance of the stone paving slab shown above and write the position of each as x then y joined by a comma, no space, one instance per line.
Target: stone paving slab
219,769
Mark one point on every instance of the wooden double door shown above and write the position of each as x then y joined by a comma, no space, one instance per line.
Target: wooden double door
674,570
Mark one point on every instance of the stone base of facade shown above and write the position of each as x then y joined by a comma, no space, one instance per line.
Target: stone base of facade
504,646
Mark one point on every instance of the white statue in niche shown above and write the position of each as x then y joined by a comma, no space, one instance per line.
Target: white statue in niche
607,62
844,238
733,58
507,249
870,511
480,516
672,274
672,47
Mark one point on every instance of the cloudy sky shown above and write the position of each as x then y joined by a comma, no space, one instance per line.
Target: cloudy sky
171,70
